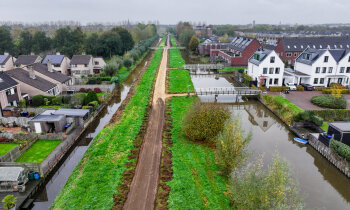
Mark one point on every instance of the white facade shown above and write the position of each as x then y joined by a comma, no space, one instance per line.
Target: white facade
267,71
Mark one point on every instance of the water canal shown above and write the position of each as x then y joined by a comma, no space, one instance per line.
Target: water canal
322,185
59,177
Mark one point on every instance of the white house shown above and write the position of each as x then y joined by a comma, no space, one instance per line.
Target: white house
266,67
321,67
82,65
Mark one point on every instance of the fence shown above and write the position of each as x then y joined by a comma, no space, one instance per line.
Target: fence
104,88
20,121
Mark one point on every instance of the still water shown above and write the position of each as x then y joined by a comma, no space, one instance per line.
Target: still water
321,184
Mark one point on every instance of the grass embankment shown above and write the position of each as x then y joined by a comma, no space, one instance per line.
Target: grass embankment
173,41
324,126
178,81
231,69
195,181
175,59
5,148
124,73
95,179
38,151
162,43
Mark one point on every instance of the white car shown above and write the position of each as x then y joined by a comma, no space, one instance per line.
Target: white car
291,86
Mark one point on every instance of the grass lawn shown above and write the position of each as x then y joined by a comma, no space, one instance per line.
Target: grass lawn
5,148
179,79
55,106
38,151
292,106
172,40
324,126
232,69
176,60
196,183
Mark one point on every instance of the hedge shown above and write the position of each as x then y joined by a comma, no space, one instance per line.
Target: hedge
332,114
329,101
341,149
278,88
342,91
247,79
300,88
308,117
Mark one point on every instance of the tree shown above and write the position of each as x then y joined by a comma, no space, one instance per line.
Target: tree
91,44
41,42
78,39
91,96
6,44
110,44
224,39
231,146
9,201
186,36
194,42
110,69
62,41
25,43
38,100
126,38
127,62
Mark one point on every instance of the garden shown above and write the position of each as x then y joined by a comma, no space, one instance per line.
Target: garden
179,81
5,148
95,179
175,59
38,151
232,69
329,101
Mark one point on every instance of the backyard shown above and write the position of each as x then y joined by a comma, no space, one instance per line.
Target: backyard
5,148
179,81
38,151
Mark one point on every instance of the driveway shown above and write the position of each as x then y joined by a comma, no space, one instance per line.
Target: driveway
302,99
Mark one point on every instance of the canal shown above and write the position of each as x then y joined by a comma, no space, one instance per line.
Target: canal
321,184
58,178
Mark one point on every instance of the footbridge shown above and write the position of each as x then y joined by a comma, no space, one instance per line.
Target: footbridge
203,66
241,91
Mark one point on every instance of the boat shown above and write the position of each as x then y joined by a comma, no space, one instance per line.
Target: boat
302,141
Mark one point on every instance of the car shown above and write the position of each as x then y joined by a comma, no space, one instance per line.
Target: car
291,86
307,87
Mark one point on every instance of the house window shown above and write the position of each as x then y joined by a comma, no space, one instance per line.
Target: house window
324,69
275,82
342,69
272,59
2,66
325,59
347,69
330,69
77,72
316,81
295,54
265,71
96,63
349,59
289,54
321,80
271,71
74,65
317,70
277,70
85,65
270,81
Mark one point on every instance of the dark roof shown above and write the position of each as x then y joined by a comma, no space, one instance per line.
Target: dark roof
259,56
41,68
301,43
72,112
269,46
309,56
80,59
239,43
338,54
4,59
6,81
48,118
341,126
26,59
23,76
55,59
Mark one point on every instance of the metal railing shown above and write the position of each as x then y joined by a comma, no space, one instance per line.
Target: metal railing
228,91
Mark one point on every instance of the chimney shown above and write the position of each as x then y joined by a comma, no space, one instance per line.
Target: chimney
31,72
58,53
32,53
49,66
6,53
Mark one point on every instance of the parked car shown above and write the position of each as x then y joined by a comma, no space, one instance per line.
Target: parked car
307,86
291,86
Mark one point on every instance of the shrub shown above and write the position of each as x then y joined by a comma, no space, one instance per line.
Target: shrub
327,115
337,86
204,121
31,113
97,90
110,69
93,104
115,80
341,149
91,96
231,147
300,88
278,88
22,103
83,90
247,79
342,91
58,100
328,101
38,100
66,99
9,201
127,62
321,88
78,99
93,80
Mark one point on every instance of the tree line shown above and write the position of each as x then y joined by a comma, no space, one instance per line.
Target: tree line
69,42
186,35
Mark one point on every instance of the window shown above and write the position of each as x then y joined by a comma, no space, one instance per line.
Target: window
289,54
270,81
295,54
97,63
321,80
277,70
275,82
330,69
271,71
8,92
324,70
342,69
316,81
77,72
272,59
347,69
320,46
317,70
85,65
264,70
325,59
2,66
302,47
349,59
74,65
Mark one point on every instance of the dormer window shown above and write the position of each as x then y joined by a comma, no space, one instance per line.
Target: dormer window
325,59
347,46
302,47
288,47
314,46
272,59
341,46
295,46
320,46
329,47
335,46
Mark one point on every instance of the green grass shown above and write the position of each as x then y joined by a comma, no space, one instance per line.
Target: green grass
232,69
123,72
162,43
172,40
324,126
95,179
179,79
38,151
5,148
176,60
292,106
196,183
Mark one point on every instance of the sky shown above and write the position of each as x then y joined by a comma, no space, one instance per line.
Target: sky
173,11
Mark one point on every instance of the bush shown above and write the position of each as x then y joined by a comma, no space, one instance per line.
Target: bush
78,99
204,121
97,90
321,88
327,115
247,79
38,100
127,62
337,86
300,88
83,90
58,100
22,103
342,91
278,88
91,96
115,80
31,113
340,148
66,99
110,69
328,101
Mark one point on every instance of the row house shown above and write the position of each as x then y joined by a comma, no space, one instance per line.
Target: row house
289,48
10,92
323,67
206,48
6,62
60,63
266,68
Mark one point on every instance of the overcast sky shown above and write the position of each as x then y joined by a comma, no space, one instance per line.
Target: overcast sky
172,11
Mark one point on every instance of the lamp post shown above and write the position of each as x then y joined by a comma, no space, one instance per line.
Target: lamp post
188,90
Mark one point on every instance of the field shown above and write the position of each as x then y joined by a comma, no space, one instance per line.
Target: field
179,79
95,179
172,40
5,148
38,151
196,183
176,60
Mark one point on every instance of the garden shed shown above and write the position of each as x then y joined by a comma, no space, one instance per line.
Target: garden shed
340,131
12,179
74,116
51,123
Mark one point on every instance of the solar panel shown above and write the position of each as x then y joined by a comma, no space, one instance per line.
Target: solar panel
3,58
55,59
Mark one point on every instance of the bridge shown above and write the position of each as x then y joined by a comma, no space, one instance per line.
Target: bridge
241,91
203,66
156,48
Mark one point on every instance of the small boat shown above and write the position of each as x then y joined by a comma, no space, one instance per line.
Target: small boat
302,141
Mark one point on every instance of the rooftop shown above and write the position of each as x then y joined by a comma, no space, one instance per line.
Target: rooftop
41,68
341,126
301,43
4,59
72,112
259,56
26,59
10,173
55,59
48,118
80,59
6,81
